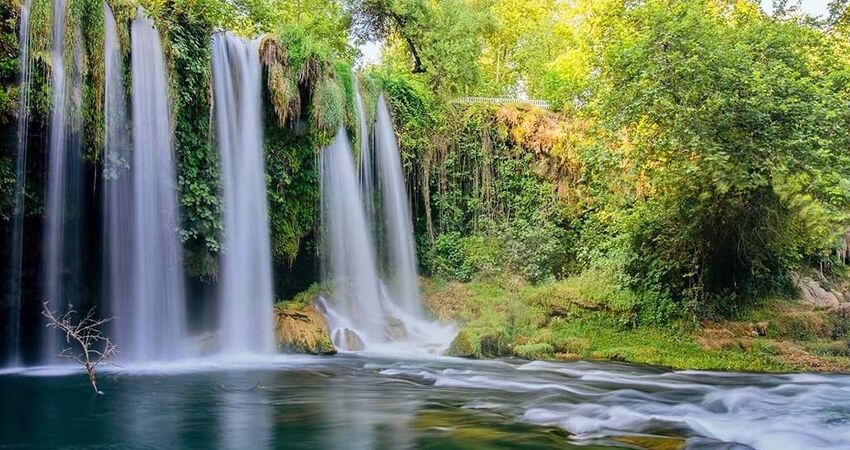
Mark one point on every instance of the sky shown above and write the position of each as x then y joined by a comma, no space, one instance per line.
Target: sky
372,50
812,7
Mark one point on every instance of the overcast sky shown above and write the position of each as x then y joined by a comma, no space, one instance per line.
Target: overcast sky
372,50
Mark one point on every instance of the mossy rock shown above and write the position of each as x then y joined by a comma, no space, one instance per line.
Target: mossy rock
534,351
464,345
303,331
493,344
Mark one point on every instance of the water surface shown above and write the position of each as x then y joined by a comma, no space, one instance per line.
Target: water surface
361,402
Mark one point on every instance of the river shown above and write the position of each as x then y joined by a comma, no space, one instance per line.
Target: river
352,401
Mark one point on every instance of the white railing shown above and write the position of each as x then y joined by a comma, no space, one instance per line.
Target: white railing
501,101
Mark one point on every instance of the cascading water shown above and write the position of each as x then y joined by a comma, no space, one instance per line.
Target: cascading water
350,260
118,185
246,277
156,329
361,305
13,294
367,163
401,255
64,179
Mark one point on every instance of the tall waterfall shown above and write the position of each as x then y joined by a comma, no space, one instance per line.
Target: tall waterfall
401,255
64,178
246,297
347,247
156,329
118,185
13,293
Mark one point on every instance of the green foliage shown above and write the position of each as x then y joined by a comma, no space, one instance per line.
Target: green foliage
87,15
588,317
328,107
8,106
486,208
292,180
454,256
434,41
689,84
198,169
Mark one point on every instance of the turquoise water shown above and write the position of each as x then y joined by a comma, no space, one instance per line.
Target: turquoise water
360,402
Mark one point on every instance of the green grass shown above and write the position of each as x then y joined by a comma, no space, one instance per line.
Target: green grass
588,317
672,346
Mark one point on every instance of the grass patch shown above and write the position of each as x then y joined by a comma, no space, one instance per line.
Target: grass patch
588,317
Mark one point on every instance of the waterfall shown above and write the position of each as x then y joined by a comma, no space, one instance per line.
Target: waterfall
386,319
118,187
387,316
367,163
63,199
401,255
13,294
347,246
156,328
245,298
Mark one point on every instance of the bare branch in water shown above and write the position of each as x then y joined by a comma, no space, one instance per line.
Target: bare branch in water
87,344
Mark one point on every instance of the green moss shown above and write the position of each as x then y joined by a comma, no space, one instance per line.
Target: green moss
583,317
327,110
198,171
304,298
292,186
464,345
534,351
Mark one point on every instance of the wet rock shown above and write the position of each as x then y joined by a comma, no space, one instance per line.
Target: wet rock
395,329
348,340
303,331
464,345
815,295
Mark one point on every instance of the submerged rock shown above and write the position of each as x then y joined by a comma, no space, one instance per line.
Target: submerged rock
303,331
348,340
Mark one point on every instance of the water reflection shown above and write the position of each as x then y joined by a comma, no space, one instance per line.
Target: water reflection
245,418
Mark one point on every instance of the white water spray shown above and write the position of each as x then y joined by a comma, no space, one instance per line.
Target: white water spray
367,159
63,199
401,255
156,329
347,245
246,278
118,187
386,319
